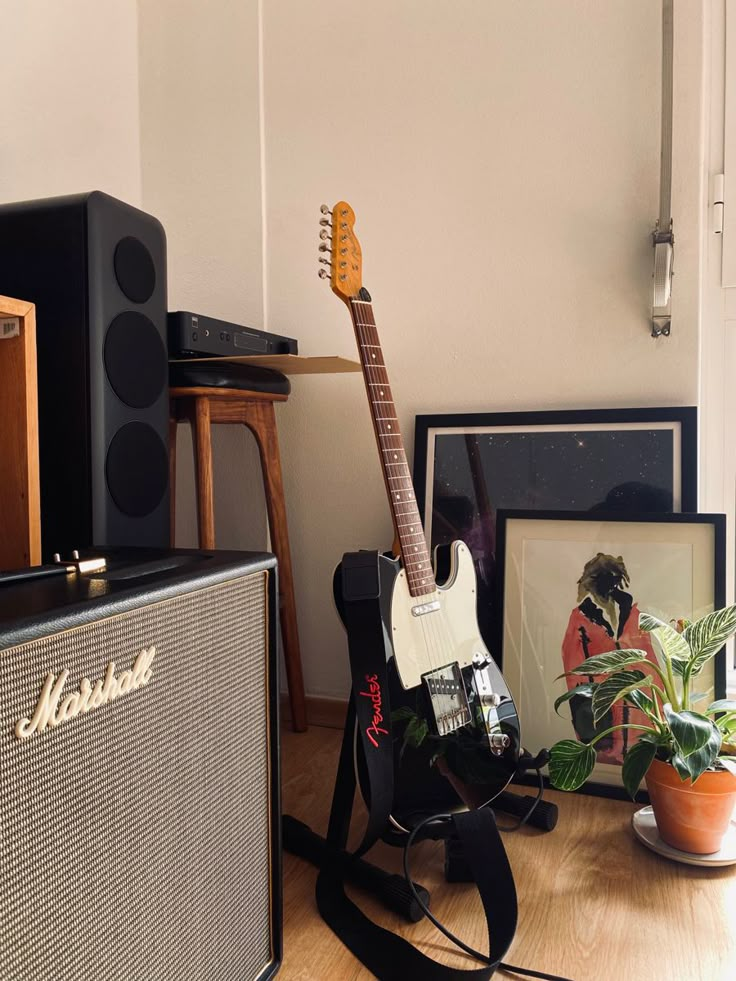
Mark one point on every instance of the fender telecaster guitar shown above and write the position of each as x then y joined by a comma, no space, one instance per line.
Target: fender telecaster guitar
457,708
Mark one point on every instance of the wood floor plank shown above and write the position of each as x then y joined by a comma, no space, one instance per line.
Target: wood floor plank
594,904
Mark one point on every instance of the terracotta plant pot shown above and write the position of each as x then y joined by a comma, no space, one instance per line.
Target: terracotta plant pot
693,818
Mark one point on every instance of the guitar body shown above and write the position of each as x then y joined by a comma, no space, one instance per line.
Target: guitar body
452,713
432,770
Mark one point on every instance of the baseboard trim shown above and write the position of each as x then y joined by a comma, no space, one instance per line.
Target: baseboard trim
321,711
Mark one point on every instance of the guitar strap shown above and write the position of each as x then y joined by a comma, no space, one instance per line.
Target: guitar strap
388,956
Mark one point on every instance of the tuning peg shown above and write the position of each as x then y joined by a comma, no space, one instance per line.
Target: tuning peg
326,262
325,248
323,274
325,221
324,235
325,209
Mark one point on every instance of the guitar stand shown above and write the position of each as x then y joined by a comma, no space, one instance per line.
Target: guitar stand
393,890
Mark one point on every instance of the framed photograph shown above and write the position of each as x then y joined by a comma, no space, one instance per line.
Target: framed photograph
572,585
467,467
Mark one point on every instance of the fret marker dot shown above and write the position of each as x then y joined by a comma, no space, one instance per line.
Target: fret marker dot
381,393
389,426
373,356
411,529
416,549
398,497
396,456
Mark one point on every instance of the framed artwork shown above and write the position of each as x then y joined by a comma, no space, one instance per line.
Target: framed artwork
572,585
467,467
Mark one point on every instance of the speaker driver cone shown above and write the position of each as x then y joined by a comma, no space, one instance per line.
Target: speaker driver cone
134,269
135,359
137,469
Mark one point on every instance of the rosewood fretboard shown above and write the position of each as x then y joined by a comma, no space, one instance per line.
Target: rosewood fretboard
399,487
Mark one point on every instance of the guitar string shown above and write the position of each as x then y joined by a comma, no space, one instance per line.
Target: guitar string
368,332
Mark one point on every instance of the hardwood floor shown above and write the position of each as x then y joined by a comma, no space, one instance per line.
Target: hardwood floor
594,904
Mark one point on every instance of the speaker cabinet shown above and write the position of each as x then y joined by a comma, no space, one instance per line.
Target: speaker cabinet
96,270
139,781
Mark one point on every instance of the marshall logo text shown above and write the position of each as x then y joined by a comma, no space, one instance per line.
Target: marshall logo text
374,693
51,711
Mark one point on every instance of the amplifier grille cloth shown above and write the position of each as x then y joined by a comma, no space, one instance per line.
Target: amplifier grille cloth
134,840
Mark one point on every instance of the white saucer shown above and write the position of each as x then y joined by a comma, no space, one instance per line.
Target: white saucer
645,829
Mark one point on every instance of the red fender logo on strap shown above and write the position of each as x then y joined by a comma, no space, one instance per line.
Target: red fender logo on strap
374,693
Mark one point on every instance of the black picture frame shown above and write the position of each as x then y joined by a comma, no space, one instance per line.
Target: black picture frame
532,668
533,456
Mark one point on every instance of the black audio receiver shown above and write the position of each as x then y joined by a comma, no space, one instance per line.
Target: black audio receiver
194,335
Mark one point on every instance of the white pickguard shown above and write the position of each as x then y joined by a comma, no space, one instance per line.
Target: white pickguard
434,639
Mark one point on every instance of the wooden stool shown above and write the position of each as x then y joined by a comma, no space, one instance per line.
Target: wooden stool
203,407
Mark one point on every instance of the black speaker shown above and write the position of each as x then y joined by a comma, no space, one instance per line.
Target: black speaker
96,270
139,813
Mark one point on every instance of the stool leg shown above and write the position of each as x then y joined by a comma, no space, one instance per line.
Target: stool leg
202,436
262,423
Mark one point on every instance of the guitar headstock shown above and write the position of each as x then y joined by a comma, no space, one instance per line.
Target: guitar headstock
341,251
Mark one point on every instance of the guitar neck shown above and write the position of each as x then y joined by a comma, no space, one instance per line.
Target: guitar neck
399,487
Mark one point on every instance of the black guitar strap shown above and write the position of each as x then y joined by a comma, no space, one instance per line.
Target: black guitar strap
386,954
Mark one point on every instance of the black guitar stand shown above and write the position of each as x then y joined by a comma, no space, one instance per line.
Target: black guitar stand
474,834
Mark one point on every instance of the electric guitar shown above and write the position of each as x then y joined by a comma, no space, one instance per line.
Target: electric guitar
456,710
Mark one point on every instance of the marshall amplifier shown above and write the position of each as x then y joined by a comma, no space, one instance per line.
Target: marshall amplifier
139,783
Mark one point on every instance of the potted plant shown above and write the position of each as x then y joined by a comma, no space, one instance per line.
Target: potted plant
687,755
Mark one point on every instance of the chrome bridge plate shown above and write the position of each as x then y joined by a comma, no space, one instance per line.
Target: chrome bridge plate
448,698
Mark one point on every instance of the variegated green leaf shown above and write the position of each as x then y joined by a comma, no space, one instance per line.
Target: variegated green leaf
698,696
680,766
609,662
416,732
585,691
636,763
614,687
673,644
722,705
690,730
728,763
707,635
699,761
679,668
571,763
640,700
402,714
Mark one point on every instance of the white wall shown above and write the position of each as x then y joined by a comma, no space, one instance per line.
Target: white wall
69,108
201,164
503,162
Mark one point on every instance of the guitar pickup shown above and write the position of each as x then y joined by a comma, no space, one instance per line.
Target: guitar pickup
422,608
448,698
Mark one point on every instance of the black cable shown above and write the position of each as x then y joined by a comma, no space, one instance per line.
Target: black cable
440,926
522,821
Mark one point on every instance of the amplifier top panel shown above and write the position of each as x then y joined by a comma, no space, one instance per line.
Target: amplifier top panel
133,577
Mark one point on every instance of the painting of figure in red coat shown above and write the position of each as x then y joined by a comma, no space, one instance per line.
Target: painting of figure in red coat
605,618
